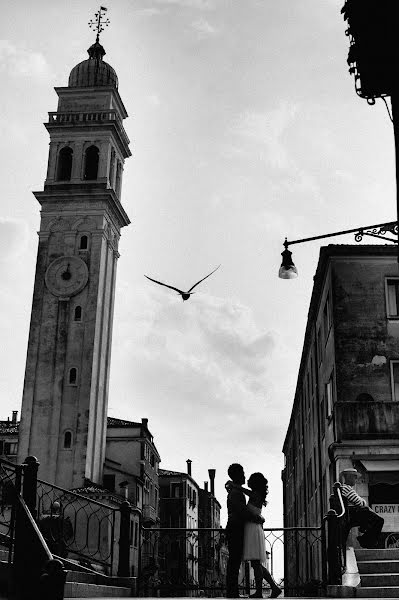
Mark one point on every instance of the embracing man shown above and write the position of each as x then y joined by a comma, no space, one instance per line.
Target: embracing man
238,514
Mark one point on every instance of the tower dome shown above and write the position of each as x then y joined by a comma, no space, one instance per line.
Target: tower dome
94,71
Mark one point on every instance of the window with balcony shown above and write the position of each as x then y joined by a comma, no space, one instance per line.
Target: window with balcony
175,490
395,380
392,298
10,448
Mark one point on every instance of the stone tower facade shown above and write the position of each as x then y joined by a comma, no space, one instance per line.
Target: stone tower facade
64,406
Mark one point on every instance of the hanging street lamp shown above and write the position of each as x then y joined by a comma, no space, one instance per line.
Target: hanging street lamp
380,231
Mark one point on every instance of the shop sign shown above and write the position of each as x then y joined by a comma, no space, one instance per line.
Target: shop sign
390,514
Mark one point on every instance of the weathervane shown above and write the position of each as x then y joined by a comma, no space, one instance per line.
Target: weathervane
99,23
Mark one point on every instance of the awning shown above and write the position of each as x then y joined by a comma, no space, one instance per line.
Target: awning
380,465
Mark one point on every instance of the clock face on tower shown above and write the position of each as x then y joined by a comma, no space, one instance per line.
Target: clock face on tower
66,276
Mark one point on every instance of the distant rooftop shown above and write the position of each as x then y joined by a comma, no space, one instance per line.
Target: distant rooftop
169,473
113,422
11,426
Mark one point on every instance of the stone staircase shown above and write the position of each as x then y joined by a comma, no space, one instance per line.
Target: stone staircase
379,573
81,583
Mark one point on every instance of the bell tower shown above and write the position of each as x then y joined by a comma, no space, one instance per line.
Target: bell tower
65,396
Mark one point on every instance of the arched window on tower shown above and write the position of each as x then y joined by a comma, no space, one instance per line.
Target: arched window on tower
67,439
64,167
78,313
91,162
84,242
73,375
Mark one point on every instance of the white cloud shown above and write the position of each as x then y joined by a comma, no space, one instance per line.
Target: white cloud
207,352
14,238
154,100
198,4
204,29
18,61
266,129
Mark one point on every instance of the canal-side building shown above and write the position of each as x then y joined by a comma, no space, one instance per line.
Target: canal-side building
212,544
178,553
346,406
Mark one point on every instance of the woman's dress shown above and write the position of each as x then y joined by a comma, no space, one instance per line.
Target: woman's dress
254,538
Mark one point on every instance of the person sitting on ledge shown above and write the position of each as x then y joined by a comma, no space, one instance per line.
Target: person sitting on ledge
360,515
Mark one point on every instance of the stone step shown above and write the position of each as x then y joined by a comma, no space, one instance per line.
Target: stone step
379,592
378,566
380,580
377,554
74,589
79,577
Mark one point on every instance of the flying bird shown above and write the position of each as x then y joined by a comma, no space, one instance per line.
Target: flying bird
184,295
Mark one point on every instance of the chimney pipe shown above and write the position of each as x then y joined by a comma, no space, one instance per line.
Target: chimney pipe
212,473
188,461
14,416
144,422
206,486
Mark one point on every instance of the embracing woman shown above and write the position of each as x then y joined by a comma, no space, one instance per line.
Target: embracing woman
254,538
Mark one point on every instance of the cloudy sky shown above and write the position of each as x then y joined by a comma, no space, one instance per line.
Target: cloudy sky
245,128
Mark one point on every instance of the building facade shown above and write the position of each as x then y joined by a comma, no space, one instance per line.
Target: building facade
346,406
9,437
212,544
132,465
178,553
65,396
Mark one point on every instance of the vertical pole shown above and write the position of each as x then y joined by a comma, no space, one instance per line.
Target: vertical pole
124,541
395,119
29,489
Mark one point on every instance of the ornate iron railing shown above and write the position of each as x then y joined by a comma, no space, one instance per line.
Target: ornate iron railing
77,527
192,562
10,485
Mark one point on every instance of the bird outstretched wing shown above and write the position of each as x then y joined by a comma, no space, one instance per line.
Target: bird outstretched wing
195,284
165,284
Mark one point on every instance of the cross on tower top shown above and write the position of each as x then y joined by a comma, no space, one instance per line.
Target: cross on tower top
100,22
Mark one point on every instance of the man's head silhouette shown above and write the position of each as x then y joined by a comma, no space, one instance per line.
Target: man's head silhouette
236,473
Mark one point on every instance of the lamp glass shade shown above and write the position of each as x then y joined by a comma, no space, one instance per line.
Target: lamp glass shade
287,270
290,273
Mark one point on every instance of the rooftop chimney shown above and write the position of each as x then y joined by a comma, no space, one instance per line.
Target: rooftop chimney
212,480
206,486
144,422
188,461
14,416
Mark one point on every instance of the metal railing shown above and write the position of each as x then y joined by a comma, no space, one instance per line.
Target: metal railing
75,526
192,562
82,117
10,486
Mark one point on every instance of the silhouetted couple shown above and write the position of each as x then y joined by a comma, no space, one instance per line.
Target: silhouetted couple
244,531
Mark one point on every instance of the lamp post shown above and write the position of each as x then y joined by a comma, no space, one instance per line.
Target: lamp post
380,231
